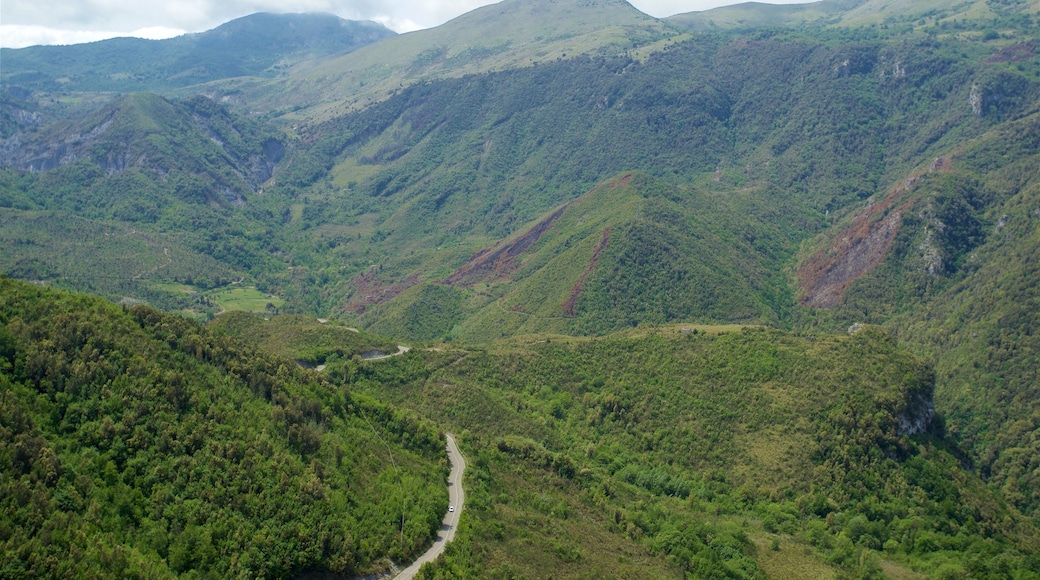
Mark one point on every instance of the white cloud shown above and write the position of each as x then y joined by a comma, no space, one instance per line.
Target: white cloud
19,36
27,22
157,32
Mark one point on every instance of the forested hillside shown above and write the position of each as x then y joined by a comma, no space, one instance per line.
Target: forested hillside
958,284
725,453
136,443
139,196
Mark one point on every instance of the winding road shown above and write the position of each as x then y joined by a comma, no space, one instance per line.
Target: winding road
456,497
401,349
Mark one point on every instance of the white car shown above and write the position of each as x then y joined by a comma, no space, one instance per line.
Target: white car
451,508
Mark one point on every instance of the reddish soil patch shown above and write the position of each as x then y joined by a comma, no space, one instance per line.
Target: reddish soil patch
572,299
372,291
855,252
501,260
1014,53
860,248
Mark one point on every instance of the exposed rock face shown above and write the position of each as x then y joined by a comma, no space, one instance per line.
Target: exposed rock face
975,99
46,155
918,414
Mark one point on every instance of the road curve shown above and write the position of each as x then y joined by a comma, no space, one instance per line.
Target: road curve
456,497
401,349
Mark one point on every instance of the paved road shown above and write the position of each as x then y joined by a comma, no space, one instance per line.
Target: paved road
456,497
401,349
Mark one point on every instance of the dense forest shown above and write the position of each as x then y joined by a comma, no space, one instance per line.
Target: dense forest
137,443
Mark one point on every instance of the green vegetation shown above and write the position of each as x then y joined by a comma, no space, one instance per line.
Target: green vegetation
697,447
301,338
958,286
247,299
526,175
139,443
431,314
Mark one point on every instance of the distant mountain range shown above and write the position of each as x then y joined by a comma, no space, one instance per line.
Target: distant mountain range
264,45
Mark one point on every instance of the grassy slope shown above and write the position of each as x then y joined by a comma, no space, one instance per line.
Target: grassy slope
450,166
301,338
844,13
473,43
633,249
670,440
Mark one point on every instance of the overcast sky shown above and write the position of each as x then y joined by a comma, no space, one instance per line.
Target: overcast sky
29,22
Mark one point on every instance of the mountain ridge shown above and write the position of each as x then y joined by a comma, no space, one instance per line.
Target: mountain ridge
261,44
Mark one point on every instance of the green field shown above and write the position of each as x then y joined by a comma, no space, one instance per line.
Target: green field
245,298
175,287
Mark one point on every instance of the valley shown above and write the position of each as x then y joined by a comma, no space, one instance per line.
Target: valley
741,293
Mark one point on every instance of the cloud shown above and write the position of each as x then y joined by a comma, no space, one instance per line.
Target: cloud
27,22
19,36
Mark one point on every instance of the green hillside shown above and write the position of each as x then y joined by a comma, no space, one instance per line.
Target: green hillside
139,195
633,250
205,153
854,13
724,454
958,284
413,186
136,443
500,36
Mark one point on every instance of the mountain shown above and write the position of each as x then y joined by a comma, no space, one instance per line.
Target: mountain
850,13
263,45
500,36
419,182
145,444
142,186
143,132
632,250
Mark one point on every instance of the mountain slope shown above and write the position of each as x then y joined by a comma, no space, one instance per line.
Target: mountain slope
751,15
445,168
853,13
257,45
231,155
140,192
955,281
505,35
701,445
140,443
632,250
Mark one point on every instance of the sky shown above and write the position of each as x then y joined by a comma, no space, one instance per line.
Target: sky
31,22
